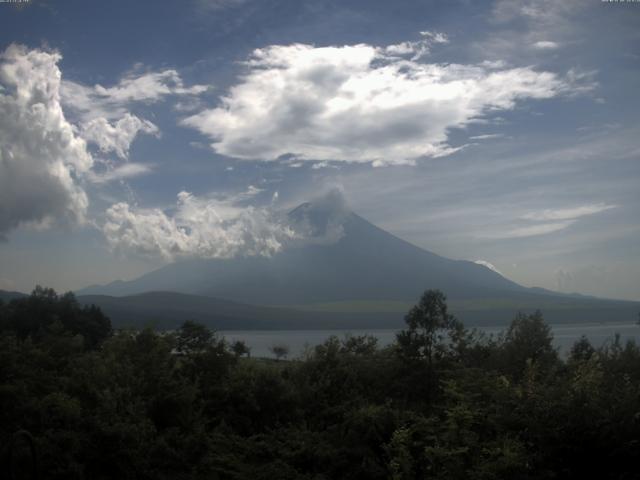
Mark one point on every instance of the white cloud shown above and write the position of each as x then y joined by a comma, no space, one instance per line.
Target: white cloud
545,45
358,104
111,102
205,228
522,29
532,230
148,87
493,64
224,226
41,156
435,37
104,114
488,136
127,170
416,49
118,136
319,165
547,221
567,213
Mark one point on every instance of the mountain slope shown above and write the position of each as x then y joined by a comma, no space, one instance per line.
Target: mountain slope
368,277
167,310
366,263
7,296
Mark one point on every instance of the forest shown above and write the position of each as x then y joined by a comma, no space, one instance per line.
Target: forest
80,400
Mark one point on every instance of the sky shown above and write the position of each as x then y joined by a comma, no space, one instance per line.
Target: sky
133,134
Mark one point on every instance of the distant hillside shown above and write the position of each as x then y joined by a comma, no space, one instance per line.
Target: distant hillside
167,310
367,276
7,296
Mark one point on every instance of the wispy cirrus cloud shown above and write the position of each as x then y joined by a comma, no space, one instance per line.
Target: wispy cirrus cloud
135,87
547,221
529,231
487,136
567,213
120,172
526,31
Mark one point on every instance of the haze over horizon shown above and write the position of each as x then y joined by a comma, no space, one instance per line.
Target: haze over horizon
504,132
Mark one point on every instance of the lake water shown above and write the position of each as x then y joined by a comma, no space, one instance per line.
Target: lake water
564,336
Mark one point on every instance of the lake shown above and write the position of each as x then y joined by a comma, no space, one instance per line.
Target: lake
564,336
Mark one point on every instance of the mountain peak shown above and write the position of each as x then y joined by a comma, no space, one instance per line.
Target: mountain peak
322,217
339,257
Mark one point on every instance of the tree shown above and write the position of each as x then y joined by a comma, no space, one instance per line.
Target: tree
280,350
432,330
582,350
528,341
359,344
193,337
240,348
432,334
34,315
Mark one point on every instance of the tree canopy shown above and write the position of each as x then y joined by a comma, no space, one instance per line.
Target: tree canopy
99,404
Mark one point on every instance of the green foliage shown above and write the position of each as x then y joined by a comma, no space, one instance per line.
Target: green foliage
432,339
280,350
431,331
186,405
44,311
582,350
240,348
528,346
193,337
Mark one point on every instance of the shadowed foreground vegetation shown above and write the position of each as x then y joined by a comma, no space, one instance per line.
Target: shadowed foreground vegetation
442,402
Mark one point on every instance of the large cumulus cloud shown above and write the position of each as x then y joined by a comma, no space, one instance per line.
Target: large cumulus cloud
41,155
46,123
224,226
197,227
360,103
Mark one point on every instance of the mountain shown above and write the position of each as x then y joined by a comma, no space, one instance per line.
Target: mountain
365,263
7,296
347,271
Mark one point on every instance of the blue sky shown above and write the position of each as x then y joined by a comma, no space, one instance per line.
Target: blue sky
135,134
